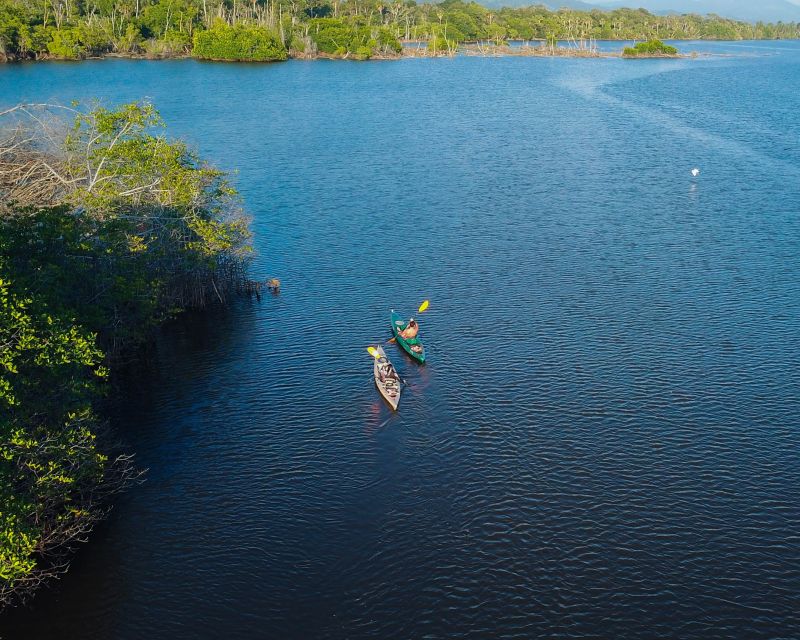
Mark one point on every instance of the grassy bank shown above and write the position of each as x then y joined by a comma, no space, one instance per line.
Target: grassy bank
107,228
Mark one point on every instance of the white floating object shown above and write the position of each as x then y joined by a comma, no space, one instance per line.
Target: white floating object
695,172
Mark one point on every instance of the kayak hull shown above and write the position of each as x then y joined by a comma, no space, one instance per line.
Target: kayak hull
389,387
412,347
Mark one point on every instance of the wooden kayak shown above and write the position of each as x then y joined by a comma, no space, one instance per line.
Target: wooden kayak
412,347
386,379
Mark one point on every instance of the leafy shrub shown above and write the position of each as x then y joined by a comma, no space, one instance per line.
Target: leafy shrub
340,38
143,230
172,44
240,42
67,44
387,41
444,38
10,22
97,36
161,17
48,371
439,44
333,36
130,41
32,40
650,48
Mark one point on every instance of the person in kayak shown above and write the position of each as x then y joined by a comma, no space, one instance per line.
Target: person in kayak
411,330
387,372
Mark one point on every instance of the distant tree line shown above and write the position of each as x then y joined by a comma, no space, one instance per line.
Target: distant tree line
275,29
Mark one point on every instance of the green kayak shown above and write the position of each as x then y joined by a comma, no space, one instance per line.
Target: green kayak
412,347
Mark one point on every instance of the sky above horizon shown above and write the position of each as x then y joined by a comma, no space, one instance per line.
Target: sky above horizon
750,10
797,2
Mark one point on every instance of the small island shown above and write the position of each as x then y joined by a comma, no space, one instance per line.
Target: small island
650,49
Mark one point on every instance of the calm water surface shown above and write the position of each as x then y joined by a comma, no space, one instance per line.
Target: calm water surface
605,442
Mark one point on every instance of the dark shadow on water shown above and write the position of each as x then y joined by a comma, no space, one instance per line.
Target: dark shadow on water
161,369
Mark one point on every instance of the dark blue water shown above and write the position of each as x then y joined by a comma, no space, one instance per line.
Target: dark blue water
605,442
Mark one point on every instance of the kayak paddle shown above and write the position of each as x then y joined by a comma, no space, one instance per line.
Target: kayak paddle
374,353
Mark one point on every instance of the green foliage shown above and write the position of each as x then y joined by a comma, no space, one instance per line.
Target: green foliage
49,370
157,20
88,268
130,41
157,229
173,44
33,39
224,30
125,158
42,351
332,35
67,44
17,540
439,44
650,48
11,20
239,42
338,37
146,230
387,42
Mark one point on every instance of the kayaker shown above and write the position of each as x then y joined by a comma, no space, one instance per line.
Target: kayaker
387,371
411,330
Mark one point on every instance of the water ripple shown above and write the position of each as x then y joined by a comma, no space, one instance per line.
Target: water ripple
604,442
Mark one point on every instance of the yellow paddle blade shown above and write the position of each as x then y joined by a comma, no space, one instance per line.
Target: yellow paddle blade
423,306
373,352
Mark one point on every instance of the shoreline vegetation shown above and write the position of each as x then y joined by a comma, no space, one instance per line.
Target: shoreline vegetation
531,49
107,229
473,49
651,49
276,30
